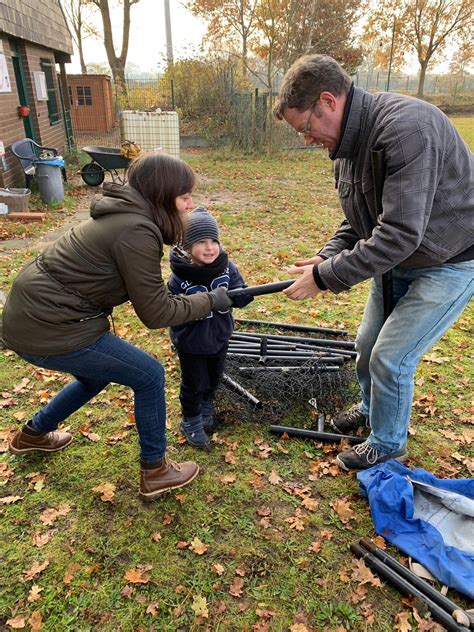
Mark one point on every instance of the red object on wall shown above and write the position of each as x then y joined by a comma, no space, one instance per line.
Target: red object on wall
23,111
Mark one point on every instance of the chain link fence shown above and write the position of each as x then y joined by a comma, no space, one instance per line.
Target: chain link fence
228,116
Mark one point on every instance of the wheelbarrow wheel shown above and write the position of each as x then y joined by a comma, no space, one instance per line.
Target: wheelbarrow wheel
92,174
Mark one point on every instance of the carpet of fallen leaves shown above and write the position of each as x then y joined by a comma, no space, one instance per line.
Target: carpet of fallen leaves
260,540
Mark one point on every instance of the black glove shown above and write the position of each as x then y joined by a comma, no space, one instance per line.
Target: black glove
220,302
241,300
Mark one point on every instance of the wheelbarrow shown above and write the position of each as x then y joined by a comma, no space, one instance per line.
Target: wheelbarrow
104,159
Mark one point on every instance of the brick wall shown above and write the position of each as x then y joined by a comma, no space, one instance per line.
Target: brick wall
11,127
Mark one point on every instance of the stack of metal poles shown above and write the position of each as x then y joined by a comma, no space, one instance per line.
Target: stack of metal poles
450,615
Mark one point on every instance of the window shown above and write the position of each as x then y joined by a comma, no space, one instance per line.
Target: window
48,67
84,95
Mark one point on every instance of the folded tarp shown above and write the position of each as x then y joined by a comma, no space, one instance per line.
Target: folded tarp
428,518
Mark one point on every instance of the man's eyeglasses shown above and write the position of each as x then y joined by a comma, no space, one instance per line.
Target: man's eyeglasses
307,128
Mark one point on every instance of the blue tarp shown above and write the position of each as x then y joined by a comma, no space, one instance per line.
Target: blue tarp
428,518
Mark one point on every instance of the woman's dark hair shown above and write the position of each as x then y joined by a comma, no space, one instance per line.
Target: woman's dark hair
160,179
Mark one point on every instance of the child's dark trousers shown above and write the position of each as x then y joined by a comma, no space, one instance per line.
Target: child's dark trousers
200,377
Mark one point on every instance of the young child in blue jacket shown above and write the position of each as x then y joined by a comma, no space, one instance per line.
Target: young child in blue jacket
201,265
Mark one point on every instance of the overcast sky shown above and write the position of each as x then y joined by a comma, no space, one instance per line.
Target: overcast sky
147,47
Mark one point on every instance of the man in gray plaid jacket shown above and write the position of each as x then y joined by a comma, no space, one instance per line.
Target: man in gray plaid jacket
405,183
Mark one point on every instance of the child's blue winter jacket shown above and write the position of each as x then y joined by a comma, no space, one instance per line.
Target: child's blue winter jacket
209,335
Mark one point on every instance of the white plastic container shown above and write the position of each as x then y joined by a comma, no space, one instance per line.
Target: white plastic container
151,130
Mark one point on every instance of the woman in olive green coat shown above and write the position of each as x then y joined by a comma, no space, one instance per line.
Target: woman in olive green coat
56,315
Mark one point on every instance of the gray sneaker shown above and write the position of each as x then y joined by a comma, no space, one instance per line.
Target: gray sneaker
350,421
364,455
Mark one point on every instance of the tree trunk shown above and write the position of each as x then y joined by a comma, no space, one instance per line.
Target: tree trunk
116,62
421,80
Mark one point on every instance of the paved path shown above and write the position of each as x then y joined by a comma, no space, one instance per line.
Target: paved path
41,242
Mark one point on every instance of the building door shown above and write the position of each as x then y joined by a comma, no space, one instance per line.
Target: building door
21,87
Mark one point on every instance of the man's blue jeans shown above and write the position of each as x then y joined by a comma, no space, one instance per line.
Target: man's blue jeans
109,359
427,302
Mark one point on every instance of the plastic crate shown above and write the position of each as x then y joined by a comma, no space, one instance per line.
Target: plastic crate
14,200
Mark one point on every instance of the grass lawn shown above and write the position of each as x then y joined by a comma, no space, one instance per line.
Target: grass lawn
260,541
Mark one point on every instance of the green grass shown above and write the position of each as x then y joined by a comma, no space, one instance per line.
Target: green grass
272,210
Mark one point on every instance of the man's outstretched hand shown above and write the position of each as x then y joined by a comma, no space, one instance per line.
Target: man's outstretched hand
305,286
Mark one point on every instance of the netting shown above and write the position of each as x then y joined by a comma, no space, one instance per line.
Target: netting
288,377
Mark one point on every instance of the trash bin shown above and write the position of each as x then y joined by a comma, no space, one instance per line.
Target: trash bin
48,173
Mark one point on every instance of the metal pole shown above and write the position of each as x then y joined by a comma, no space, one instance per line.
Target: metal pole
391,56
169,40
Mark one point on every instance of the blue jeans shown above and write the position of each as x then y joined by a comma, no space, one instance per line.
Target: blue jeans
427,302
109,359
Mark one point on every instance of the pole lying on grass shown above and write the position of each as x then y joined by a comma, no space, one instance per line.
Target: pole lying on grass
460,615
324,342
315,434
406,587
249,370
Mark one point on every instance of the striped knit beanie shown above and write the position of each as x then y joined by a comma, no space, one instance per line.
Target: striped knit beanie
200,224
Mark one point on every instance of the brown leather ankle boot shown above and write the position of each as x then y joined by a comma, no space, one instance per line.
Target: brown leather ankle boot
29,440
169,475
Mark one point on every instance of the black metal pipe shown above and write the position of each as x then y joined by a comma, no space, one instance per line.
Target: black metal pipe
406,588
240,390
416,581
288,326
285,369
283,344
260,290
251,353
315,434
345,344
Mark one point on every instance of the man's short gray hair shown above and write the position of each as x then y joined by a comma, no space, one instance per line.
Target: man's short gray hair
306,79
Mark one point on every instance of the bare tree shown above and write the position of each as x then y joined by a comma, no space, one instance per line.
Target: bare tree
116,62
77,16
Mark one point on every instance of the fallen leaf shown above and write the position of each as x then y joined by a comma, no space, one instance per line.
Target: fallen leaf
35,570
49,516
151,608
218,569
401,622
198,547
310,504
36,621
226,480
137,576
156,537
199,606
9,500
70,572
40,539
363,574
315,547
168,519
18,623
343,509
236,587
107,491
34,594
274,479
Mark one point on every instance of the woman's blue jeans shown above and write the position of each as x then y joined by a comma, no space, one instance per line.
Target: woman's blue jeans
427,302
109,359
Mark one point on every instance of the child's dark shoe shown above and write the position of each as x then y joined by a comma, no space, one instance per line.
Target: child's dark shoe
209,422
192,429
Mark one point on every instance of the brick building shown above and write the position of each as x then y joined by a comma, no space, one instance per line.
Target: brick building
35,45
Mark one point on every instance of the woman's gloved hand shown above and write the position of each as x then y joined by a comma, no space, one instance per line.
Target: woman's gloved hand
220,302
